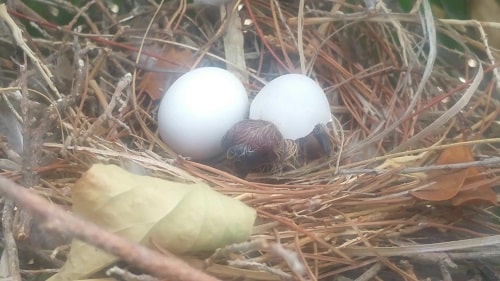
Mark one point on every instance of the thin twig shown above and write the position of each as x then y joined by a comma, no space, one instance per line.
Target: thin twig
21,42
10,242
29,159
481,163
115,99
425,248
300,36
260,33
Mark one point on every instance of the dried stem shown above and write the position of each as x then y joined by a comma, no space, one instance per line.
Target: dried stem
29,159
115,99
10,242
391,87
492,161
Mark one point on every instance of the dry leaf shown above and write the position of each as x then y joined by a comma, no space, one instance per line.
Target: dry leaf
182,218
484,194
156,83
403,161
461,186
444,185
476,189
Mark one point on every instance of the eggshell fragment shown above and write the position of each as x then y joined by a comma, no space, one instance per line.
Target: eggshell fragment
294,103
198,109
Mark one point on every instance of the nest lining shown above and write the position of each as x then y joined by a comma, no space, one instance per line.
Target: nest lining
398,96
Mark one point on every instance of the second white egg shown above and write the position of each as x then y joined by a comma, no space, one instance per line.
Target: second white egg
294,103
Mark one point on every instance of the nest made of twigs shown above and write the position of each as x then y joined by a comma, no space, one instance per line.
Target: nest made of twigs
398,96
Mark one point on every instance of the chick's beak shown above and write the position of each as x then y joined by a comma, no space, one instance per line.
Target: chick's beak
321,134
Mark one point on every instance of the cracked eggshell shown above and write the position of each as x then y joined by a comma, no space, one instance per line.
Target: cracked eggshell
294,103
198,109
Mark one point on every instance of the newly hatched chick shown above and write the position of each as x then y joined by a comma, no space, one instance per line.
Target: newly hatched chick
253,144
258,145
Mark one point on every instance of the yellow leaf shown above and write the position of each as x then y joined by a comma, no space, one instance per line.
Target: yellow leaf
179,217
203,220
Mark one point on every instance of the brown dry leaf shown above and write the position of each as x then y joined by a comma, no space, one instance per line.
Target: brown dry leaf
484,194
155,83
442,186
476,189
445,185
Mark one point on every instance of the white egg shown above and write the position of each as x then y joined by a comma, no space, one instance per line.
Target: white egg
198,109
294,103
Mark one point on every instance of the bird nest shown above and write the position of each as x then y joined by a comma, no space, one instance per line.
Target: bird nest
407,194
